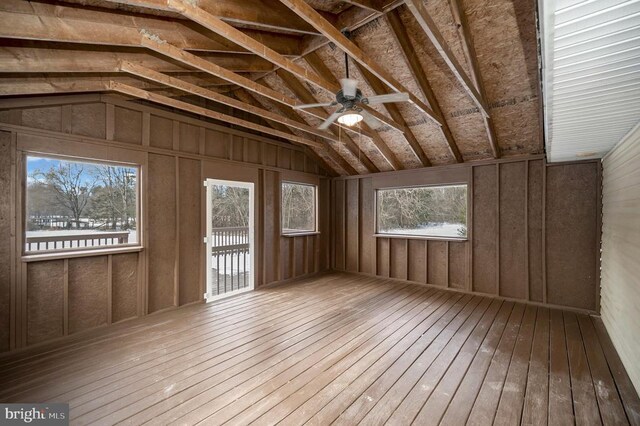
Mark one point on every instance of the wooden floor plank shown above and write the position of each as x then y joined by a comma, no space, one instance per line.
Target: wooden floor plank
536,400
486,402
611,410
185,384
625,388
194,388
413,402
560,399
335,348
462,307
585,404
512,398
435,407
462,402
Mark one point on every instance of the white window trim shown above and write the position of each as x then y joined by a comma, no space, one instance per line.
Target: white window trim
378,234
301,233
72,252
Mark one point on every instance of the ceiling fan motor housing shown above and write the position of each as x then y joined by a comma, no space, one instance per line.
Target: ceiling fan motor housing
349,102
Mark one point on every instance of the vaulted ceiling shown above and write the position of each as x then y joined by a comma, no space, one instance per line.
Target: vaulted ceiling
470,67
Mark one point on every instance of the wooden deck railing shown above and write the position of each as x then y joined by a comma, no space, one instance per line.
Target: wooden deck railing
230,259
62,241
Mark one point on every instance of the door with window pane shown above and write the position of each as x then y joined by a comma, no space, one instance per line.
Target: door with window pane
229,238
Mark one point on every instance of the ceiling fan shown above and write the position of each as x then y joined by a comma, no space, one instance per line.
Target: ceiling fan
350,99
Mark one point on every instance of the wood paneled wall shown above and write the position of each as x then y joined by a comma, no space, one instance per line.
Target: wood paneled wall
534,231
41,300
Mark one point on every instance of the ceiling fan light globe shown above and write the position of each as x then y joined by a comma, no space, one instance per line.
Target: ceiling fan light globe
350,119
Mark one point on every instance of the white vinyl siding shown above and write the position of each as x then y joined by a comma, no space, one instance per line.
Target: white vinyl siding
620,292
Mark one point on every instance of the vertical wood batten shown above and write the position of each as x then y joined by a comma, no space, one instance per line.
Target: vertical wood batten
109,289
65,293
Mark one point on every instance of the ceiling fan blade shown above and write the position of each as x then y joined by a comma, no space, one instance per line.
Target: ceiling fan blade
391,97
323,104
349,87
329,121
371,121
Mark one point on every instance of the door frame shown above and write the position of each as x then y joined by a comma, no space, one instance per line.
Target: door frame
209,241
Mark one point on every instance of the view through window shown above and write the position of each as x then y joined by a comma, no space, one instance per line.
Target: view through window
72,204
298,208
430,211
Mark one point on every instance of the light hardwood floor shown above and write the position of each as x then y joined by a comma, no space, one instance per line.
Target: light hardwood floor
341,349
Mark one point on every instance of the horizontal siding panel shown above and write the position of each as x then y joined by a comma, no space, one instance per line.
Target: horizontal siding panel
621,250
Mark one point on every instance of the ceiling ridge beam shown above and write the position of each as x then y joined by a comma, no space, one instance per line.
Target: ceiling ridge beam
474,69
185,86
380,89
184,106
399,31
419,12
306,12
303,93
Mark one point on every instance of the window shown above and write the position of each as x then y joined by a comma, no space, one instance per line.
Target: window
79,205
427,211
298,208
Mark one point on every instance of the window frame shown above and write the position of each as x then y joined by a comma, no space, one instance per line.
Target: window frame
80,251
378,234
316,230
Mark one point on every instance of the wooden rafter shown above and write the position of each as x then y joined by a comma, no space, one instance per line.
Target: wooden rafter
249,99
240,38
417,8
257,14
306,96
42,21
45,59
184,106
176,83
474,68
409,52
294,115
380,89
305,11
320,67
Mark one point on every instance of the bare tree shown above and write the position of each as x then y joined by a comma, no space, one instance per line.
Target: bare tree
71,185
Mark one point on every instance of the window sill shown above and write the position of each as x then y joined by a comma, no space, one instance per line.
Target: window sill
421,237
36,257
300,234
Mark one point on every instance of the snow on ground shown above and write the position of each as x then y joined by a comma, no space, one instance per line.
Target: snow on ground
133,238
439,230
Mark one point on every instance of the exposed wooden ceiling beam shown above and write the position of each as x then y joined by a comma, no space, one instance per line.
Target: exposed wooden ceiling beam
399,31
42,21
184,106
305,11
330,167
320,67
154,43
46,59
267,15
419,12
238,37
294,115
380,89
306,96
179,84
44,84
474,68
